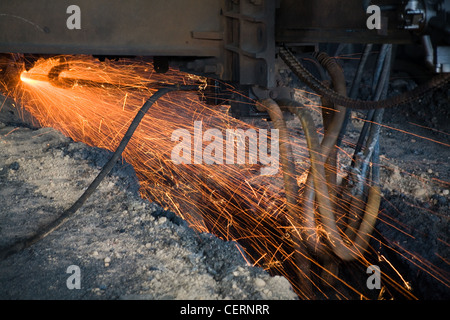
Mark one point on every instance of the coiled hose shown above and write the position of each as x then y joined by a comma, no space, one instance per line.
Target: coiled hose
327,217
317,183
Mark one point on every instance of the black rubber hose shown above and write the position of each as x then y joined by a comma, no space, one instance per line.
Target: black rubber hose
67,214
374,117
380,81
338,99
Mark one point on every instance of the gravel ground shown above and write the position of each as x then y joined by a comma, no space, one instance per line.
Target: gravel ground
125,247
415,216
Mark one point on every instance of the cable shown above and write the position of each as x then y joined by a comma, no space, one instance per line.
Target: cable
287,159
361,160
355,88
67,214
337,243
323,151
317,185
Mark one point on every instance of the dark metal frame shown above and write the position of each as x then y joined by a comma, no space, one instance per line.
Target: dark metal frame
231,40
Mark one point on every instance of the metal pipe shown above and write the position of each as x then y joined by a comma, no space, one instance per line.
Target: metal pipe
63,82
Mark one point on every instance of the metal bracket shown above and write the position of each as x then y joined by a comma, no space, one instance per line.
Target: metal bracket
250,41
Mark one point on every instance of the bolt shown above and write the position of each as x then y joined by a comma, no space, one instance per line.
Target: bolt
273,94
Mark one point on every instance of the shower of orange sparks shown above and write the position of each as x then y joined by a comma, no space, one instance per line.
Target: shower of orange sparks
99,117
406,132
232,201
